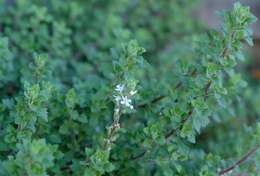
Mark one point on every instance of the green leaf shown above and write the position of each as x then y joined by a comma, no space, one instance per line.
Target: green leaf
71,99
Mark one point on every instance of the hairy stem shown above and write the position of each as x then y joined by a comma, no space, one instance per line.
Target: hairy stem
113,129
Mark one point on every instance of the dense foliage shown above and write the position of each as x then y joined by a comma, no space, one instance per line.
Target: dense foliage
80,97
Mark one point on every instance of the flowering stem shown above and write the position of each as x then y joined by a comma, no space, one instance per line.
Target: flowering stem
113,129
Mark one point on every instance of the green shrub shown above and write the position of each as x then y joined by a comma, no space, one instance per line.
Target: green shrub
71,105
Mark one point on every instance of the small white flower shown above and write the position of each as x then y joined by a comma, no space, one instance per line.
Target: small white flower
117,125
117,98
132,92
126,101
120,88
123,98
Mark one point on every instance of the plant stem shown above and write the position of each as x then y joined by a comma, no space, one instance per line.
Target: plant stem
240,161
113,129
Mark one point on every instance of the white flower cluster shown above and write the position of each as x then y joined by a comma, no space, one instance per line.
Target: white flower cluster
123,98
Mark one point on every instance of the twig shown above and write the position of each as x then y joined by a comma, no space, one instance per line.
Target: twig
155,100
243,159
138,156
172,132
206,90
113,129
159,98
169,134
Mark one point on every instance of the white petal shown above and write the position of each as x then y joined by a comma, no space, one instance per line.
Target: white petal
132,92
120,87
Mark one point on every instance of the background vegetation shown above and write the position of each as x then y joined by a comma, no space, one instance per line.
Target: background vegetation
129,87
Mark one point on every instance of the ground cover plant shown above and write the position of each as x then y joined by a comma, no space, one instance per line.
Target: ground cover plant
129,87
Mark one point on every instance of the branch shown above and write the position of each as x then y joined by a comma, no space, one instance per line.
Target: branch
206,90
159,98
239,162
155,100
173,131
169,134
138,156
113,129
